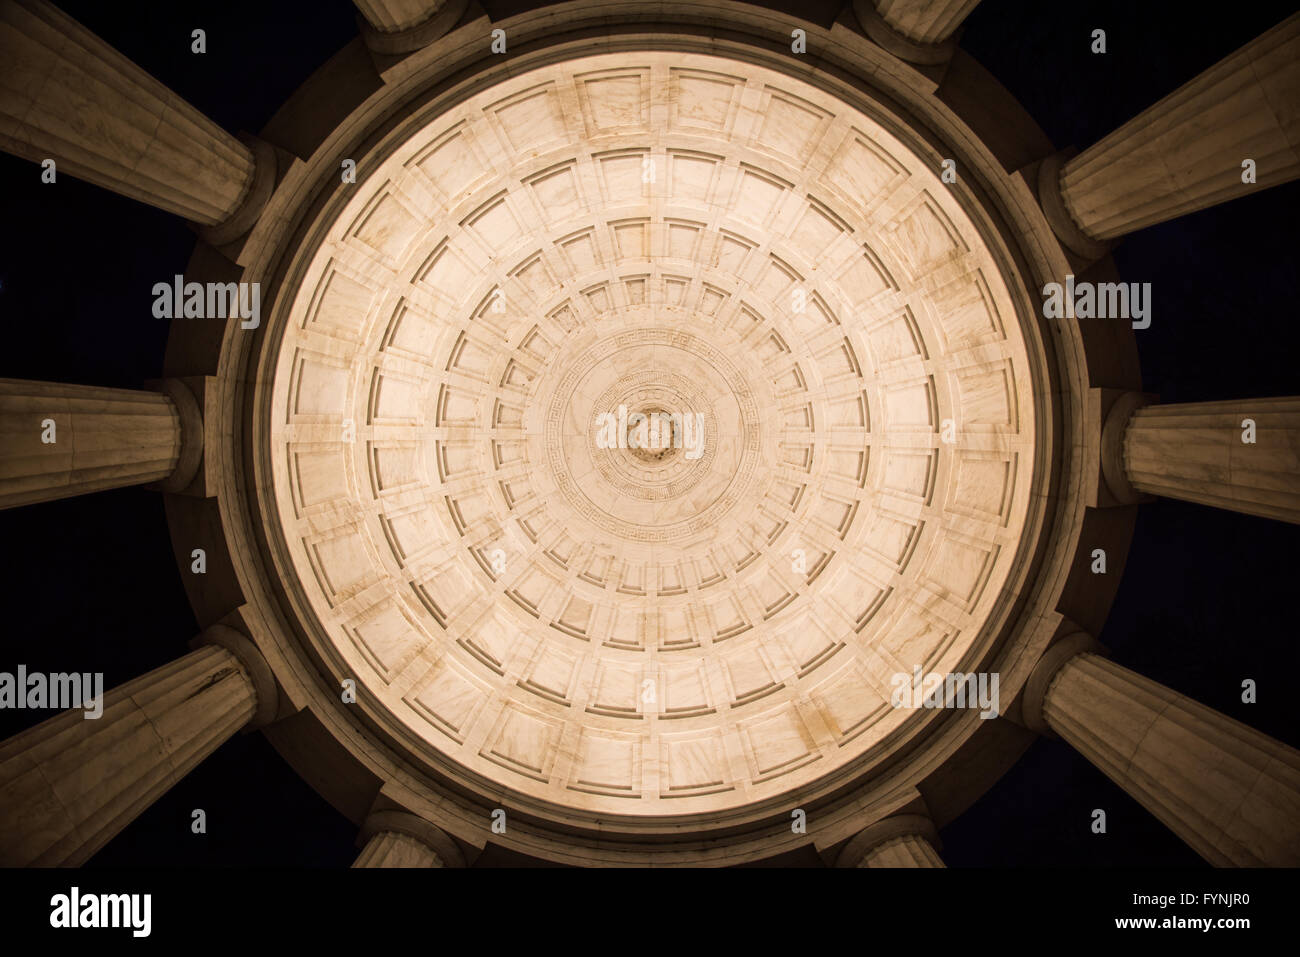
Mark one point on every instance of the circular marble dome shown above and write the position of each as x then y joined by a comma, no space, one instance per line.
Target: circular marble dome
530,589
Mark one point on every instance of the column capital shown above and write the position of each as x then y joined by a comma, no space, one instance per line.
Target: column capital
398,821
265,689
1057,210
887,829
254,198
1046,671
901,46
1113,471
408,39
191,416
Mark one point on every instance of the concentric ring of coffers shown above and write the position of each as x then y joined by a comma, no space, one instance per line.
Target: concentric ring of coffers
714,231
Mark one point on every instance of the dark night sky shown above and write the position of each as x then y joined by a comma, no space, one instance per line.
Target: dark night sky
1206,599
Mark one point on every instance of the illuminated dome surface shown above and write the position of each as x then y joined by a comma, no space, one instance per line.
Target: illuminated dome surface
602,628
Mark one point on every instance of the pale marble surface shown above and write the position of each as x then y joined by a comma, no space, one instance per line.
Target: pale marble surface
513,593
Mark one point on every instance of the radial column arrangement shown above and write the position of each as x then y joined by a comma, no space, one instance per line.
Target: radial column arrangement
396,838
59,440
67,96
72,783
1230,792
902,840
1190,150
1242,455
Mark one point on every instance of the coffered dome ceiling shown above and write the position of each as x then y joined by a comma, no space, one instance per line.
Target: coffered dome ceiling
608,629
493,619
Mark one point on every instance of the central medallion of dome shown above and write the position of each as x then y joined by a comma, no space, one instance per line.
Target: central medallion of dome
821,417
649,494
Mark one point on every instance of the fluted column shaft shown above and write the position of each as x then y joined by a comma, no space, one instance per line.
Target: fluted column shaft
900,840
70,784
1185,153
68,96
1197,452
393,837
1231,793
393,16
389,849
909,851
925,21
102,438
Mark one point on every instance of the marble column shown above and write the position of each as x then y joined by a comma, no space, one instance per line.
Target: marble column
68,96
921,32
902,840
1242,454
71,783
393,16
60,440
396,838
1186,152
925,21
1231,793
396,27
